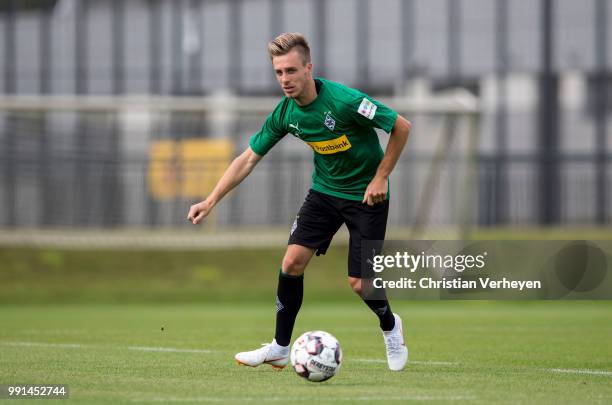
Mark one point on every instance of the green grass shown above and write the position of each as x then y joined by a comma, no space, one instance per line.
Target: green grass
478,352
221,302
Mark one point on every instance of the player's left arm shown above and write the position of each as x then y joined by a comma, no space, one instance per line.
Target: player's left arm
379,186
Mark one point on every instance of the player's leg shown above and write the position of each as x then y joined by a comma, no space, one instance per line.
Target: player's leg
289,295
377,302
369,223
290,291
312,231
366,222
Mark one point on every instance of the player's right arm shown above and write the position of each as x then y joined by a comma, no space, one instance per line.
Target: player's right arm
237,171
272,131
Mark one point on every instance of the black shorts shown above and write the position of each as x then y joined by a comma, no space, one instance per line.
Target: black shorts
322,215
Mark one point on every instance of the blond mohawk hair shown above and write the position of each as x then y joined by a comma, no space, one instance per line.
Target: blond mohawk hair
285,43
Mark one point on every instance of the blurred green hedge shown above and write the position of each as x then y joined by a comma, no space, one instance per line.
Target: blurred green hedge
73,276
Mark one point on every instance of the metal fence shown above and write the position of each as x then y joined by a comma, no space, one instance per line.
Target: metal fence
139,162
117,162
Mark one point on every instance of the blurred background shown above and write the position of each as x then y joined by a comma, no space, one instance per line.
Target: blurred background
116,116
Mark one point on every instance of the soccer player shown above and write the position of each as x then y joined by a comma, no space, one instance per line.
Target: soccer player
349,185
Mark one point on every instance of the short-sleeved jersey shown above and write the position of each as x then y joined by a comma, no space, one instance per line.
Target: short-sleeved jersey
339,127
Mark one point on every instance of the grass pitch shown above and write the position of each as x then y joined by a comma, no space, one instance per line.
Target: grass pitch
477,352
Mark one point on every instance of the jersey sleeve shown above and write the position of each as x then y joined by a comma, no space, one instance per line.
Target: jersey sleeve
369,112
272,131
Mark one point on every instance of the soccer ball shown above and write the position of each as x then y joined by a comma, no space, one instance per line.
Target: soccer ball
316,356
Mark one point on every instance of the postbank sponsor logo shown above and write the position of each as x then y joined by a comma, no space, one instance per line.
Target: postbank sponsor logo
340,144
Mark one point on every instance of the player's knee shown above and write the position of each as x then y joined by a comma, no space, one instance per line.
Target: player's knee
293,265
355,285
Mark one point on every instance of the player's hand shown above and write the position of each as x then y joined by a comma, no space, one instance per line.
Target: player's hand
199,211
376,191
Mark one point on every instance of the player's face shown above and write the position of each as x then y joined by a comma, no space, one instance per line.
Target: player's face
291,73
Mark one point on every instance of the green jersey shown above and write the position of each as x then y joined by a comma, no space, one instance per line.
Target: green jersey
339,127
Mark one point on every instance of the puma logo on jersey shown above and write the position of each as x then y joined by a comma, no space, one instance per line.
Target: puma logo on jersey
296,130
331,146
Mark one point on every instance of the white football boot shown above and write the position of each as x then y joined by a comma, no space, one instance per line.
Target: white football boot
397,352
271,353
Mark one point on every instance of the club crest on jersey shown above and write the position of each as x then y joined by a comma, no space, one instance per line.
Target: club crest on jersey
329,121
